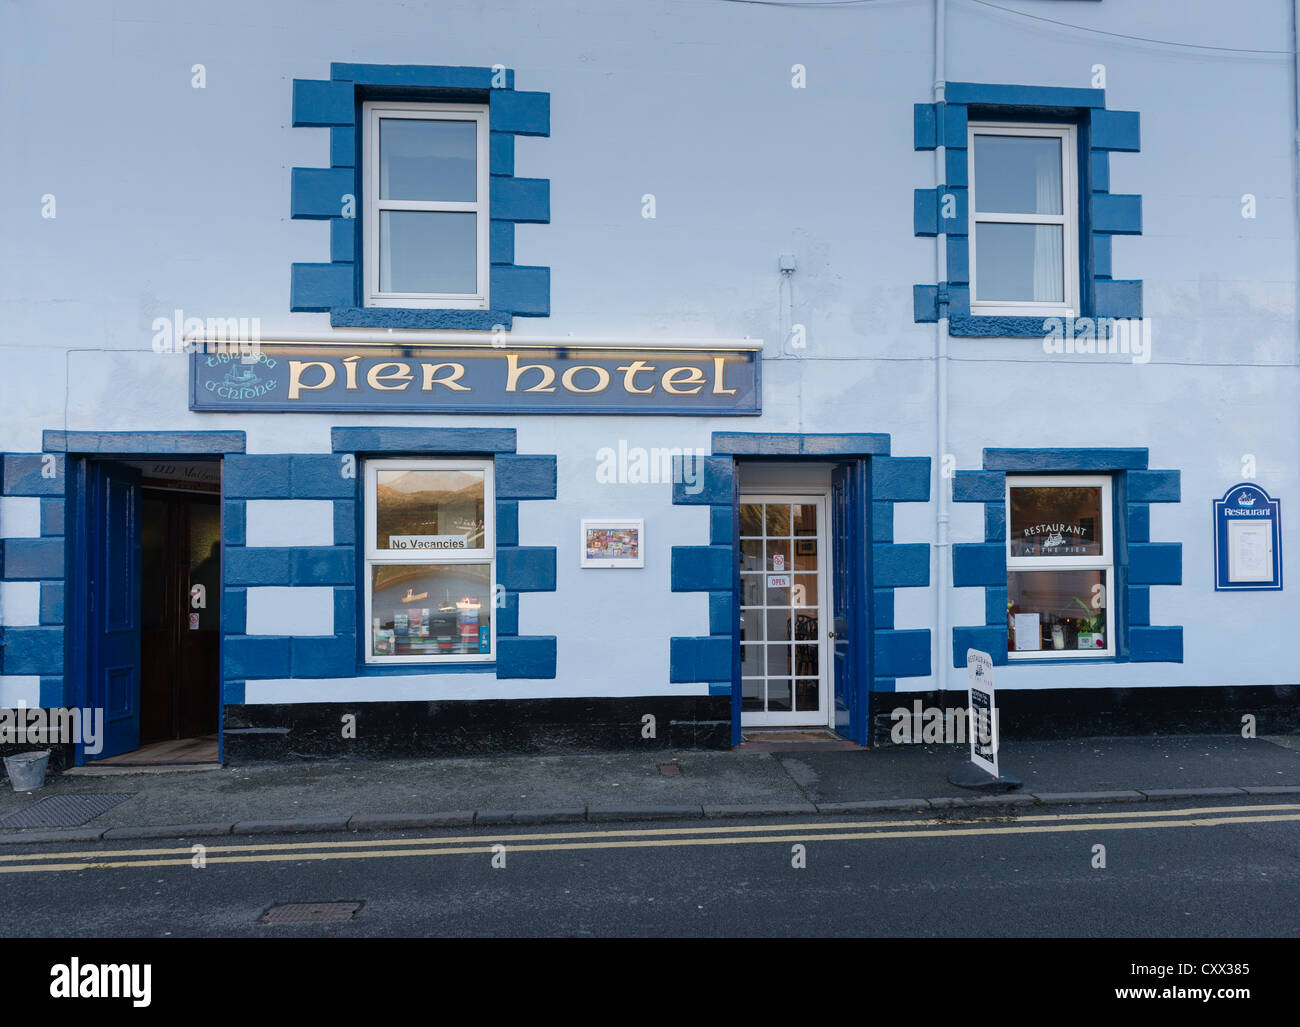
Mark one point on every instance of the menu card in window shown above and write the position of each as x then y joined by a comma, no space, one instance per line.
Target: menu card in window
1028,632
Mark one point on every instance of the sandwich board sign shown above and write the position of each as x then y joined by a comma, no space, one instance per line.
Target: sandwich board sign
981,711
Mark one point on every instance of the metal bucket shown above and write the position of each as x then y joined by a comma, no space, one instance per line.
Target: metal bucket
27,770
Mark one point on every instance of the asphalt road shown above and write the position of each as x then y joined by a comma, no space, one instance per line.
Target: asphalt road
1178,869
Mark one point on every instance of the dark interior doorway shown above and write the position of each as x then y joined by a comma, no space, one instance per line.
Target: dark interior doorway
147,558
180,606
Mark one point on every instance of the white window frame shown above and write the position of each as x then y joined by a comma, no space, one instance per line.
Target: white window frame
1068,219
371,115
375,556
1105,562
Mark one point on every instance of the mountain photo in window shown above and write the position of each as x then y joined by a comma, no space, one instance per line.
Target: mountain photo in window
429,509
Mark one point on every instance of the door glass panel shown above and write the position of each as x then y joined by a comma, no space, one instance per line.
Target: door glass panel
805,520
778,625
805,626
778,520
751,694
751,660
778,694
806,694
778,556
751,589
804,593
778,659
751,519
751,555
751,625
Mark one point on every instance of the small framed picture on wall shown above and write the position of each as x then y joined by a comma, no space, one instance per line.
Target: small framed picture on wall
612,542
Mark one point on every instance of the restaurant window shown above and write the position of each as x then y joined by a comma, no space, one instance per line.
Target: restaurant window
430,561
1060,568
1024,223
426,215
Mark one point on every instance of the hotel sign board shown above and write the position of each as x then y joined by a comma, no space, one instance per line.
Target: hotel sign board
283,377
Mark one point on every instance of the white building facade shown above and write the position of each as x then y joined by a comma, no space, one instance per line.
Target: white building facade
505,376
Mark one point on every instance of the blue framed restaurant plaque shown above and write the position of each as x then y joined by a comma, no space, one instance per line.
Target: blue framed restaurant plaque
1247,540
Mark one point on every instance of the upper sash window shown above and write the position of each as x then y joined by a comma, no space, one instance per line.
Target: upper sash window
1024,221
426,227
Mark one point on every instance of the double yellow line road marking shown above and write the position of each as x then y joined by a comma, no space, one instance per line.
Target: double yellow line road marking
667,837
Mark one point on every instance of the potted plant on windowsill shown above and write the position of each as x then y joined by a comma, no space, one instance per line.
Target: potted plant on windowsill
1091,627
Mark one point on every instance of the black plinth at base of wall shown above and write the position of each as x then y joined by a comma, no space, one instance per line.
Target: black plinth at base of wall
1097,712
966,775
485,727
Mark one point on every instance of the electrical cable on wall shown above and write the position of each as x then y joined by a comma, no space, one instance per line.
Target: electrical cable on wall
1033,17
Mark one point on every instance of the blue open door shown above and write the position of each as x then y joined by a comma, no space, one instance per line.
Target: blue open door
112,602
850,545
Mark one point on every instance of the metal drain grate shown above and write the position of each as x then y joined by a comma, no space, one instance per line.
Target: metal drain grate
311,912
65,810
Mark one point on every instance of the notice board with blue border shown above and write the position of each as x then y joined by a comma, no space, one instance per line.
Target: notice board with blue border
1247,540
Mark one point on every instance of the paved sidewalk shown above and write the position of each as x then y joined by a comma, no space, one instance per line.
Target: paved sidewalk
400,794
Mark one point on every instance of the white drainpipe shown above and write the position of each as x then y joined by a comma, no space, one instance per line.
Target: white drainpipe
1295,156
943,549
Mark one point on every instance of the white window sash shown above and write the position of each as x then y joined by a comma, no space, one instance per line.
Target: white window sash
373,205
381,557
1067,219
1104,563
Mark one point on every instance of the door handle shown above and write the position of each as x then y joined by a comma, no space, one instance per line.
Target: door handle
832,635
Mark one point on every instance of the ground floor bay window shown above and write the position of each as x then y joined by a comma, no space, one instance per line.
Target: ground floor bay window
430,561
1060,567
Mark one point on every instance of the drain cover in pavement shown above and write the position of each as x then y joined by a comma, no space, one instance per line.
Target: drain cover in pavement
64,810
311,912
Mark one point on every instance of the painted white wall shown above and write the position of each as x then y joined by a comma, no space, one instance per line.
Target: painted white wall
297,611
20,602
407,687
20,517
19,688
177,198
289,522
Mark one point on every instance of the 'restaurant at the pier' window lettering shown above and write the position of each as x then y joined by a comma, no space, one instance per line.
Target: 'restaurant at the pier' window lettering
430,561
1060,567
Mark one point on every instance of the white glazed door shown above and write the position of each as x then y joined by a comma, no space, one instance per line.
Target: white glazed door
784,591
